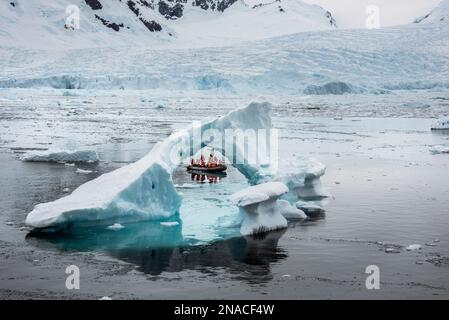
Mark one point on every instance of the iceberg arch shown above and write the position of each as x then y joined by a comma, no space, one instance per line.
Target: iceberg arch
144,190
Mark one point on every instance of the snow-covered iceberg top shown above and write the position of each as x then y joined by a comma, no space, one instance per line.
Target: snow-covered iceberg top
258,193
440,124
88,156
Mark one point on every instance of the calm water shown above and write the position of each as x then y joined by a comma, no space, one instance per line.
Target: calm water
388,191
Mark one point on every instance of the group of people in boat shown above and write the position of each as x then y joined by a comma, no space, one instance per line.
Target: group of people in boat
212,162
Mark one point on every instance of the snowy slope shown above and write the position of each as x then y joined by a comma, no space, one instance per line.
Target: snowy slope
40,24
439,14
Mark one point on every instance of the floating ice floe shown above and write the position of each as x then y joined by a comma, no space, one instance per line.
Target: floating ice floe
144,190
259,207
310,209
440,124
86,156
290,212
115,227
83,171
413,247
439,149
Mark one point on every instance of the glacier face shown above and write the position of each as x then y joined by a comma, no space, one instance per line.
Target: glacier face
414,57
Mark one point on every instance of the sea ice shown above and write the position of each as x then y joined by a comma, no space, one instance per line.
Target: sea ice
259,208
439,149
88,156
115,227
82,171
440,124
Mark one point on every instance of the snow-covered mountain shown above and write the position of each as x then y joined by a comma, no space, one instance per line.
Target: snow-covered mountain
48,24
439,14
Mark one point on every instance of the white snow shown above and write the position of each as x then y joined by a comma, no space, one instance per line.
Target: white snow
440,124
115,227
259,209
83,171
170,223
88,156
439,149
413,247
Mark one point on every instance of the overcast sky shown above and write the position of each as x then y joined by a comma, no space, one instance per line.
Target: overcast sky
351,13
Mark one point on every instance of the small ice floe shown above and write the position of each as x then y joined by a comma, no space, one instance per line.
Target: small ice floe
9,223
115,227
259,208
309,209
66,190
286,276
289,212
105,298
392,250
431,244
440,124
187,186
62,156
69,164
170,223
82,171
413,247
439,149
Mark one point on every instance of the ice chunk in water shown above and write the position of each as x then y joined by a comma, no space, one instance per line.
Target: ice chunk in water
259,208
440,124
88,156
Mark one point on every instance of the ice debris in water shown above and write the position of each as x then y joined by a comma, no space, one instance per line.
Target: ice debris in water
259,208
170,223
87,156
413,247
115,227
82,171
440,124
310,209
439,149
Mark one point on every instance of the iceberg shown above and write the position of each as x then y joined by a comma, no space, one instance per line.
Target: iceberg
258,206
88,156
440,124
289,212
144,190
